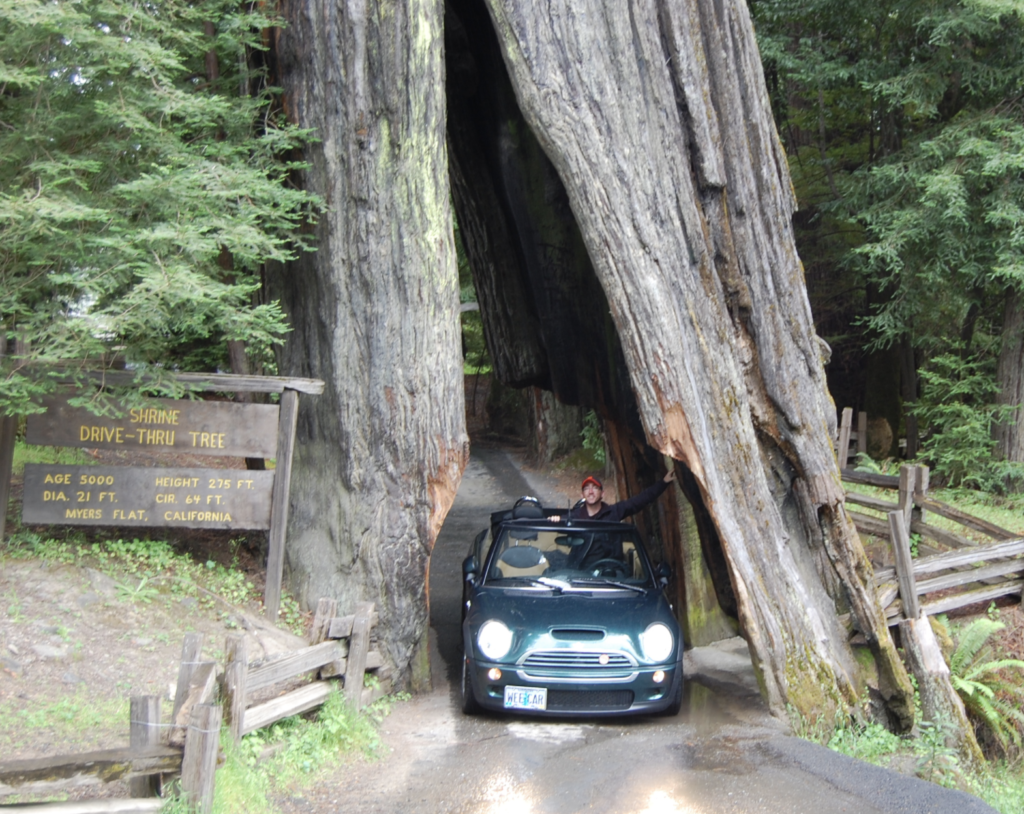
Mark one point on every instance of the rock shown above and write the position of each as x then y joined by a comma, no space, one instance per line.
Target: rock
87,599
100,582
71,678
12,648
12,666
47,651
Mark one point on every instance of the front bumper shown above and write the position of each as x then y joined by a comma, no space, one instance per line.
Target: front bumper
568,695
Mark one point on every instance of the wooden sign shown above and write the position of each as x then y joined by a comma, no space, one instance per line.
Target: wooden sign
169,425
147,496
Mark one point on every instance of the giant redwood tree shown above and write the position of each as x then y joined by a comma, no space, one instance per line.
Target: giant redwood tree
626,207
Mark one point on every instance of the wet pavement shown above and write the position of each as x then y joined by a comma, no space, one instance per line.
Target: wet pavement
723,754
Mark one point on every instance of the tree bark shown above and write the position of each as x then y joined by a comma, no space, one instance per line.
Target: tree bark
656,119
374,310
1010,375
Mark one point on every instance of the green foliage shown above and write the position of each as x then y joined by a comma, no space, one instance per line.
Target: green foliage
905,131
592,437
957,409
138,194
872,742
992,688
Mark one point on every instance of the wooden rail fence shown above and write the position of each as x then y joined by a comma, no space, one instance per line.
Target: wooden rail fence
954,565
340,647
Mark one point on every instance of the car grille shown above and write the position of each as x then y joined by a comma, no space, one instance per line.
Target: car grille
569,665
573,701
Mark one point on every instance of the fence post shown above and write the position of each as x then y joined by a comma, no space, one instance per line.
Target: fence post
199,762
358,647
144,730
236,669
908,477
862,432
191,648
904,565
921,489
843,451
326,610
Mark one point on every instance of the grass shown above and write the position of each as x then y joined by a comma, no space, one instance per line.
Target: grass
1000,783
64,721
291,755
25,453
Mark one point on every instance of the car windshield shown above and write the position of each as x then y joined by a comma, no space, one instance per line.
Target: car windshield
572,557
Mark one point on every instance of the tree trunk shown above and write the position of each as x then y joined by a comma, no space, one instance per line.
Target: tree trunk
656,119
1010,375
374,309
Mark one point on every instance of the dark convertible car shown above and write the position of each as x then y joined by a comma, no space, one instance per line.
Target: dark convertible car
566,618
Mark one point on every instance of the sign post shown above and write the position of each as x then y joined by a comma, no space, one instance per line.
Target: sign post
152,496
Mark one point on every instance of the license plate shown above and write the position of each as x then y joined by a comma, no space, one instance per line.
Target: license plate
526,697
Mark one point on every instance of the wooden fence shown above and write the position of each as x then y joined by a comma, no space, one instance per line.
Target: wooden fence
963,571
341,647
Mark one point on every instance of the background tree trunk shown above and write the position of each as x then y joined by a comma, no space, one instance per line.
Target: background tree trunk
374,310
657,123
1010,374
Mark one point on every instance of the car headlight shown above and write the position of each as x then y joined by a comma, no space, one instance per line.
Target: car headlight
656,642
494,639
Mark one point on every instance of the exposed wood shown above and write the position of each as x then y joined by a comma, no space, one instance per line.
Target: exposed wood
908,479
199,762
976,523
947,538
89,807
304,698
144,731
845,427
326,611
341,626
217,382
871,502
954,559
960,578
236,671
880,528
904,565
280,503
871,479
294,664
948,603
201,688
920,491
48,774
8,430
358,648
939,701
862,432
191,650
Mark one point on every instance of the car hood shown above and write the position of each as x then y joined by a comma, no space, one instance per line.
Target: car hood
572,620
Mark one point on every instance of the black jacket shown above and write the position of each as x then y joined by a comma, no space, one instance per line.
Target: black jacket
624,508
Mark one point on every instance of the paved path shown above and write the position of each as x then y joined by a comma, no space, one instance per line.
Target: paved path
722,755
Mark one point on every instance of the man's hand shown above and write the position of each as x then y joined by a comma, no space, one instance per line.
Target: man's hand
670,476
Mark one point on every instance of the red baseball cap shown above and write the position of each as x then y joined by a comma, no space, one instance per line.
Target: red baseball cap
592,480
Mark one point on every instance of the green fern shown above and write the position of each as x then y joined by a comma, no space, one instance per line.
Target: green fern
989,695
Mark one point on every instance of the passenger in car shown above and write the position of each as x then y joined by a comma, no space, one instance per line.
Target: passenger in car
594,508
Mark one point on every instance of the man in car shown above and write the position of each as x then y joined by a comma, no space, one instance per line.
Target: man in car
594,508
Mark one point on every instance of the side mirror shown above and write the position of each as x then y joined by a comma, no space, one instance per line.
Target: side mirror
663,573
470,568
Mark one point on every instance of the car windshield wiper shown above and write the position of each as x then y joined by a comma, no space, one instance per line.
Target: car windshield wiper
612,582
